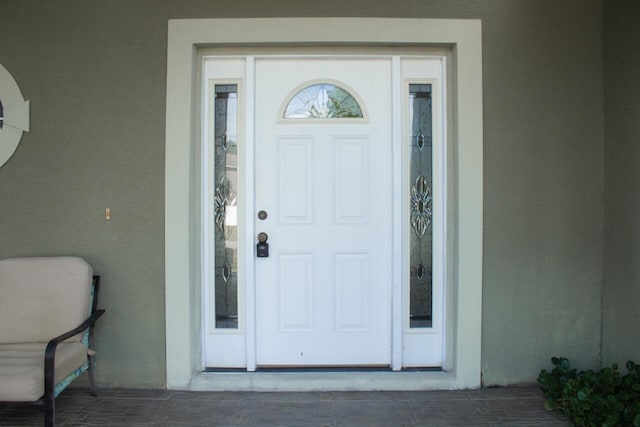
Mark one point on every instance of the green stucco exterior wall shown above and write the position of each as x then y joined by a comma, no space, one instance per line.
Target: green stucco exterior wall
621,290
95,73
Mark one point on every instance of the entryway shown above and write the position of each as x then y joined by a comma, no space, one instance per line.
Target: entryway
190,266
324,182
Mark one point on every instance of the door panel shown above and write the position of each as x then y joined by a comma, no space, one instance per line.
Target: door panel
352,296
296,292
351,162
295,179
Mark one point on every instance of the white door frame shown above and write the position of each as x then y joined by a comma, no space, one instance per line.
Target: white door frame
182,235
233,348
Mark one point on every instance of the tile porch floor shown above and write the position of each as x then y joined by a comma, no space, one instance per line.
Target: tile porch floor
509,406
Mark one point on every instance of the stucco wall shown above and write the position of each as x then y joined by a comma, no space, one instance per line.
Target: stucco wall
621,292
95,73
543,187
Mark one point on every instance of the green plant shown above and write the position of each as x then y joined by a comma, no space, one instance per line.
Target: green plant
593,399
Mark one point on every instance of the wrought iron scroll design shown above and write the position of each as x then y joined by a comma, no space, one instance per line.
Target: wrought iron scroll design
225,195
420,206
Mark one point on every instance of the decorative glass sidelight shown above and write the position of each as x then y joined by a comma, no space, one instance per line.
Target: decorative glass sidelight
225,205
420,199
322,101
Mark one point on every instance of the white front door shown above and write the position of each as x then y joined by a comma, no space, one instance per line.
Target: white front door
323,295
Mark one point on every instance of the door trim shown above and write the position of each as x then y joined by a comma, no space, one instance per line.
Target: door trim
182,282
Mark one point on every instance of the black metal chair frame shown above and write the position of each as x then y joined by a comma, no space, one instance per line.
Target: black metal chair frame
49,398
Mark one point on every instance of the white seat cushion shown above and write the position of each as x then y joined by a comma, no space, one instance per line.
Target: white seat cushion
22,368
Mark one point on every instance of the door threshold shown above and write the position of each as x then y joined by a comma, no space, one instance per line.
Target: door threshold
302,369
409,380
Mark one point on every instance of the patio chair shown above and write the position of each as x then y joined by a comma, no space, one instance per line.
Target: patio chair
48,307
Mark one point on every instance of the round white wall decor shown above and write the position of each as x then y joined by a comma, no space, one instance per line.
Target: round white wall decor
14,115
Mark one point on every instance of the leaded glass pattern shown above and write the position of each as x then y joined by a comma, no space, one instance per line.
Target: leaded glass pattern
420,199
225,205
322,101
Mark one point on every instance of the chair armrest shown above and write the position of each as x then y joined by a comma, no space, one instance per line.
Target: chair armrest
84,325
50,352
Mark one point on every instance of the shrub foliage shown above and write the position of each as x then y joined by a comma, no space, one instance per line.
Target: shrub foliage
593,399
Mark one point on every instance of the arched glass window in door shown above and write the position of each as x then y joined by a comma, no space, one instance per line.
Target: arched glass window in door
323,101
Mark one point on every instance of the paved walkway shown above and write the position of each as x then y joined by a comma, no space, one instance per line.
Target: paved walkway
510,406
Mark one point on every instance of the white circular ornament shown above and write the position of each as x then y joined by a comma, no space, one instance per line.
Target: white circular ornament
14,115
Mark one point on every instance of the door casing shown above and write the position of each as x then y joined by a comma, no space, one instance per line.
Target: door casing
182,280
